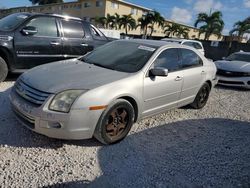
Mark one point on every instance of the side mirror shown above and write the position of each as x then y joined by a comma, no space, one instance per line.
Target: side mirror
29,30
159,71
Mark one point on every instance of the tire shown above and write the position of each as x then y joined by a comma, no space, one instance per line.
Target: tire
115,122
3,70
202,97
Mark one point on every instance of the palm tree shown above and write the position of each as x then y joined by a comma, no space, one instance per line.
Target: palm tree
44,2
110,21
101,20
241,28
183,31
127,22
144,22
212,24
116,21
171,29
155,18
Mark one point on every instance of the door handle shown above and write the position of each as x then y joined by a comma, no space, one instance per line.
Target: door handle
178,78
84,44
55,43
203,72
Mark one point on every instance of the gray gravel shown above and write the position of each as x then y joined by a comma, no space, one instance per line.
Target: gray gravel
181,148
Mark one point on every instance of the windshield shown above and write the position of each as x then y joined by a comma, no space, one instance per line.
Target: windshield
122,56
239,57
10,22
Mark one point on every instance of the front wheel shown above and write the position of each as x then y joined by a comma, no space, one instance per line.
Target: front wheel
3,70
115,122
202,97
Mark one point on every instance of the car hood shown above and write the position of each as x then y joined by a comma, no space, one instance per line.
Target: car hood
237,66
69,74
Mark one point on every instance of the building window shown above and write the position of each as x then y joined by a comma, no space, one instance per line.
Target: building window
134,11
78,6
87,4
99,3
114,5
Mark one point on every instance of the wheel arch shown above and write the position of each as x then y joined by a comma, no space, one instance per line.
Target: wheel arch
209,83
133,102
6,55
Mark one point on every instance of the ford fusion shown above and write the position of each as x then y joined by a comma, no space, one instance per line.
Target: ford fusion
234,70
104,92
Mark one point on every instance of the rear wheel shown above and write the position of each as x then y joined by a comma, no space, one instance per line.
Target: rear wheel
3,69
202,97
115,123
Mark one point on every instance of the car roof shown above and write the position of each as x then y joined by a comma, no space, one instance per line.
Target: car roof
242,52
155,43
179,40
54,15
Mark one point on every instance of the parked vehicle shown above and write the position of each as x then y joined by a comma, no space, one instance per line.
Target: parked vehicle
28,40
193,43
104,92
234,70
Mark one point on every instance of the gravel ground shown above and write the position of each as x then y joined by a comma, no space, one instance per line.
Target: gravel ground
181,148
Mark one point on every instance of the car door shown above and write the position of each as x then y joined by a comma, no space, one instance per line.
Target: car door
75,42
194,75
161,93
42,46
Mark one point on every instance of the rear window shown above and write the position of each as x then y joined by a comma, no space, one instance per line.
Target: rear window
72,29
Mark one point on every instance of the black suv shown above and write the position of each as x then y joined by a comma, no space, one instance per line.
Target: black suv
31,39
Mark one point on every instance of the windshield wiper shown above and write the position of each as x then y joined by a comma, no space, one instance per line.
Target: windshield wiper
103,66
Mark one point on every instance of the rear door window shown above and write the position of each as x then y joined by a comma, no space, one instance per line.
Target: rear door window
190,59
72,29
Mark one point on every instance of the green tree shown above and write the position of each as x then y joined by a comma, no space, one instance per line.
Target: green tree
101,20
116,21
44,2
183,32
154,18
144,23
110,21
241,28
211,24
107,22
171,29
127,22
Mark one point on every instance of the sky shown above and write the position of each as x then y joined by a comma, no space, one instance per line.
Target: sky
184,11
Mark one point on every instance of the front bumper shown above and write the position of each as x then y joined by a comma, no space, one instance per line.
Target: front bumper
75,125
243,82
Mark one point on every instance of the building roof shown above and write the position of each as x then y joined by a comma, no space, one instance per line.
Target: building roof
132,4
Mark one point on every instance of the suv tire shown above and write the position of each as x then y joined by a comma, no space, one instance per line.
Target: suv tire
3,69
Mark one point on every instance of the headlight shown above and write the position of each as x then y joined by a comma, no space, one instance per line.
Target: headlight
63,101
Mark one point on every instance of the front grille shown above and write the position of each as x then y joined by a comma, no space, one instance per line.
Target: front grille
232,73
231,82
30,94
27,120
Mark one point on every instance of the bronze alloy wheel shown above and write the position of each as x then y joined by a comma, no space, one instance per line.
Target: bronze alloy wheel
116,123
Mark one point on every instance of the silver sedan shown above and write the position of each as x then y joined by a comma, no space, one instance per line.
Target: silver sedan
234,70
103,93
